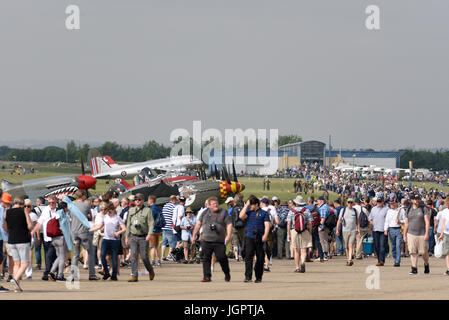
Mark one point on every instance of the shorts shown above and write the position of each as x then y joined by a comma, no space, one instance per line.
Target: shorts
416,244
168,238
186,244
6,248
123,246
154,240
20,251
349,238
301,240
445,244
237,237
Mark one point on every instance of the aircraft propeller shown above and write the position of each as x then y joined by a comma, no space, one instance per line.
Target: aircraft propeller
234,172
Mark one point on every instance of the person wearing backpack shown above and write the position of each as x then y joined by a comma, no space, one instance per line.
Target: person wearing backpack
362,214
159,223
340,249
351,228
416,233
299,228
238,229
281,232
328,222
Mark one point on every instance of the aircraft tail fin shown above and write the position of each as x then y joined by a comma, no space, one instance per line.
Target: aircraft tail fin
101,164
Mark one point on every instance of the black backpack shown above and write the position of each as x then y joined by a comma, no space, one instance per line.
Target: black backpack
363,219
331,221
236,221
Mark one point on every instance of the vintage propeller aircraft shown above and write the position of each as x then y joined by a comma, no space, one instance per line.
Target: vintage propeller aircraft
44,187
195,190
105,168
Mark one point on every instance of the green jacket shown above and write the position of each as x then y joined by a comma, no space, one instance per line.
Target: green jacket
143,217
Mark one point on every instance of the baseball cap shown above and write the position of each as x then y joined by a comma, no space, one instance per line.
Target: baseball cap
229,199
275,198
189,210
350,200
321,198
265,200
182,199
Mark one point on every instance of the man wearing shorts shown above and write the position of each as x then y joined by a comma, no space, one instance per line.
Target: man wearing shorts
300,242
168,238
18,224
416,233
187,225
351,228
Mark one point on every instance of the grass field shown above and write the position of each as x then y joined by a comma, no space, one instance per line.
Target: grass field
280,187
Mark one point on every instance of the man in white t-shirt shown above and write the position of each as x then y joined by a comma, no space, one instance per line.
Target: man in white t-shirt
443,232
178,214
48,213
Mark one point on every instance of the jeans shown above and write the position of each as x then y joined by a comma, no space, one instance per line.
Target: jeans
431,240
316,241
110,247
60,249
220,253
37,250
254,247
136,245
1,251
379,245
396,241
84,239
50,256
340,245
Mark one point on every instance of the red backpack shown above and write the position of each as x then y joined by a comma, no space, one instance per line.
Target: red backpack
53,229
300,220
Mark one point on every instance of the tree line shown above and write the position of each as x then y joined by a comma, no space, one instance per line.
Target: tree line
436,160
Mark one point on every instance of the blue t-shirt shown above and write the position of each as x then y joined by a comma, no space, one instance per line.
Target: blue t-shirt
156,211
256,220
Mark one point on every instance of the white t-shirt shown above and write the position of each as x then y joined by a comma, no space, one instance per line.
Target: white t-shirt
111,225
46,216
444,216
99,221
178,214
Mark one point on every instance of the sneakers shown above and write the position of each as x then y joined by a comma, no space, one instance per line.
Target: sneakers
94,278
247,280
45,277
446,273
133,279
3,289
303,268
266,269
397,264
206,280
16,285
158,263
349,263
9,278
414,271
319,260
52,276
61,279
164,259
152,274
106,277
227,277
114,279
85,267
185,261
258,281
426,269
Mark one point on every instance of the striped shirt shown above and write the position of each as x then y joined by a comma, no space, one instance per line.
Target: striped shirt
167,211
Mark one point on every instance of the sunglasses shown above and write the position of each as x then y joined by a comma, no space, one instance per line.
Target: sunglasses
51,202
27,206
137,199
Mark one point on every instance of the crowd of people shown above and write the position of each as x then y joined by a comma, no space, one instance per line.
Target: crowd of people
106,233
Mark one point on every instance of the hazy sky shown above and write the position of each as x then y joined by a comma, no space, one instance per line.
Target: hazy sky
139,69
